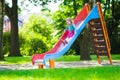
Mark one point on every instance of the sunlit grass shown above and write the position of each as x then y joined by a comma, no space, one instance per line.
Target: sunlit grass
91,73
16,60
88,73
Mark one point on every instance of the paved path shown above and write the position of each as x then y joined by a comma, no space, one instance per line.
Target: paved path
59,65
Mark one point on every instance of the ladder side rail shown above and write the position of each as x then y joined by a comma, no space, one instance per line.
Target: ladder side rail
105,32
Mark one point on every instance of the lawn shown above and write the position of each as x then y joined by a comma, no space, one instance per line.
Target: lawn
21,60
91,73
109,72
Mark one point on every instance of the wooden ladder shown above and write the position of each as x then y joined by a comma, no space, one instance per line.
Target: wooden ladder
100,36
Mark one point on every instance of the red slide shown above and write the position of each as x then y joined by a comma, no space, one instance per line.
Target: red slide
80,17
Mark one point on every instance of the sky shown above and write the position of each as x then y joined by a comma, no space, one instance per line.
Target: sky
28,7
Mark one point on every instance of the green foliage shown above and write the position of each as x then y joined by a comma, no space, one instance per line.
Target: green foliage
42,2
115,44
71,52
6,43
36,36
64,12
113,22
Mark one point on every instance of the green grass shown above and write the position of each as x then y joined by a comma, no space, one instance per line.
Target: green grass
27,59
16,60
91,73
109,72
93,57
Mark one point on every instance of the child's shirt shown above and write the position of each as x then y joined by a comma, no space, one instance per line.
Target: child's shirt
70,28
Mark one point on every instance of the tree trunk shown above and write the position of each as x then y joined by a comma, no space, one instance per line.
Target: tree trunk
75,7
14,41
85,45
86,42
1,29
113,7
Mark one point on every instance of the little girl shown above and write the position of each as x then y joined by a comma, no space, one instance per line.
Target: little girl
70,30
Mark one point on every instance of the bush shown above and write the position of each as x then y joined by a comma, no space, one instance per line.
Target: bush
36,36
71,52
6,42
30,45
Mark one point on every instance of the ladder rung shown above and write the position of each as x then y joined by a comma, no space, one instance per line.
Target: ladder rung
99,43
98,37
95,34
97,20
100,48
97,31
98,40
102,54
97,26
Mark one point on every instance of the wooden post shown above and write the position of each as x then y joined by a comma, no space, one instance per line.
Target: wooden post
51,63
98,59
40,66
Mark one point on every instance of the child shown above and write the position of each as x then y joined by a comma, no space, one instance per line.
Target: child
70,30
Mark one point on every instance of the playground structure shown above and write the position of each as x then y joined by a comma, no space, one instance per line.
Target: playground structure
99,33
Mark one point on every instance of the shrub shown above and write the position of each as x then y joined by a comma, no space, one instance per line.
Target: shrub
71,52
6,42
36,36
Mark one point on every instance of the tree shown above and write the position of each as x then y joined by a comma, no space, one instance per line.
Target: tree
36,36
14,41
12,13
86,38
1,29
113,21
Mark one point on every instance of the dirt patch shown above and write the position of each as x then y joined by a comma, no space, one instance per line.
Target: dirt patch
60,65
85,64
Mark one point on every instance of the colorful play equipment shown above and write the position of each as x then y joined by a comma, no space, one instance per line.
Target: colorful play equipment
100,36
99,33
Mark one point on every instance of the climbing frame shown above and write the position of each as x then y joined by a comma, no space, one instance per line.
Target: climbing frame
100,36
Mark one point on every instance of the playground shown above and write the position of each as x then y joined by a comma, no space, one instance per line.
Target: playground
55,65
97,24
24,63
102,47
